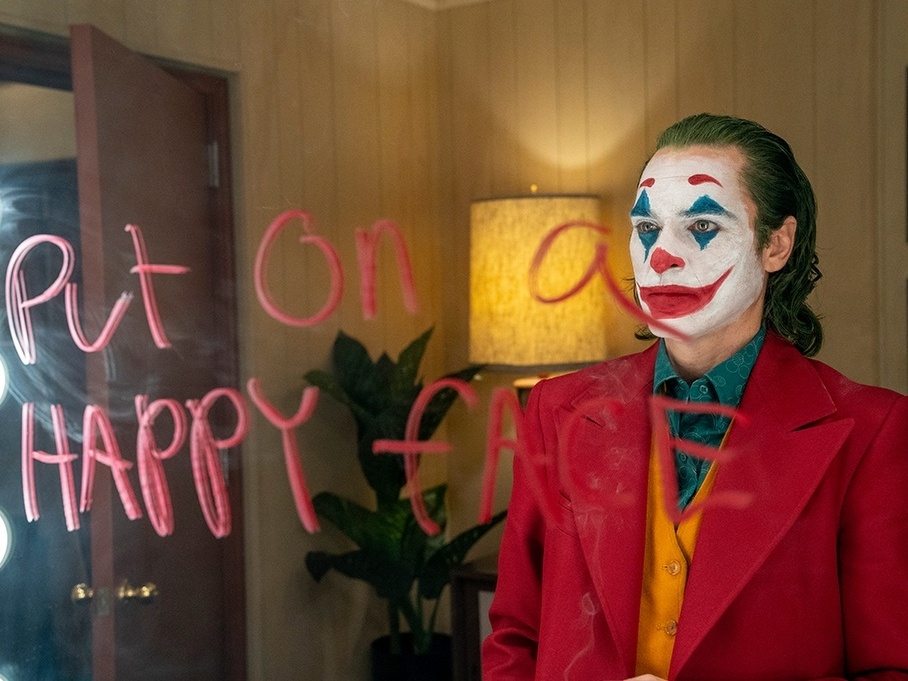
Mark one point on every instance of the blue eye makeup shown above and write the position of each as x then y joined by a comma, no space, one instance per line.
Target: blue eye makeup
705,205
642,209
647,231
705,231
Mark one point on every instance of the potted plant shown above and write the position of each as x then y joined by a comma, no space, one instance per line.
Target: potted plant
405,566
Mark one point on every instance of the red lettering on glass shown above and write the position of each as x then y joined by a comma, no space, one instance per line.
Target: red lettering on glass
63,459
75,327
145,270
367,253
207,473
18,303
261,270
95,420
502,399
150,457
301,498
205,449
411,446
598,264
595,266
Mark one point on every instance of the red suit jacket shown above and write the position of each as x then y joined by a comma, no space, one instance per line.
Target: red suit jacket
808,581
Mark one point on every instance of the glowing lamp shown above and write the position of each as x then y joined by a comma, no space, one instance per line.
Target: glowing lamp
509,326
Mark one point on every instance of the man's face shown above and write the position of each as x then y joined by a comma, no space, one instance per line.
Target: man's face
693,245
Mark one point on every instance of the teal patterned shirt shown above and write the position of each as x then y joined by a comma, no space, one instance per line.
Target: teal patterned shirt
724,384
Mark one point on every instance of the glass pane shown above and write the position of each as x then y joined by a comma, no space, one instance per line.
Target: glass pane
44,633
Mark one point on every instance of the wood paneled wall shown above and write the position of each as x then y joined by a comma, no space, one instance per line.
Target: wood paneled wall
357,110
338,105
570,95
892,122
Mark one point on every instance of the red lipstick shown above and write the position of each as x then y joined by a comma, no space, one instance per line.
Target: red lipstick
672,301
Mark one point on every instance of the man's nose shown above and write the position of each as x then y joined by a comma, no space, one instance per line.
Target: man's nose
662,260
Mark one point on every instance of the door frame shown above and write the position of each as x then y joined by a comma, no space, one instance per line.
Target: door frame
42,59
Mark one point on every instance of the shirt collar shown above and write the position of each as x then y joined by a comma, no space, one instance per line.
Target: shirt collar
727,379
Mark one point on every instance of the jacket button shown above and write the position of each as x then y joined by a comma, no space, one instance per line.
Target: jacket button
671,627
673,567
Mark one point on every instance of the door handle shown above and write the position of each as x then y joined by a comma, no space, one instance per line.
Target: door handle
81,593
144,594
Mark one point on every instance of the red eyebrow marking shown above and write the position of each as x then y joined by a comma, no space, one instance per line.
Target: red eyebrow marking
648,182
702,179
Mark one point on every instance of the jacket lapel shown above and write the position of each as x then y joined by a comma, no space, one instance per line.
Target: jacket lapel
779,456
608,446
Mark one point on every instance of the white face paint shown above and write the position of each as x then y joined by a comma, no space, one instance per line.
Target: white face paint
693,245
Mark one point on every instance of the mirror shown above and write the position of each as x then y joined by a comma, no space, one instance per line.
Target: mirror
42,633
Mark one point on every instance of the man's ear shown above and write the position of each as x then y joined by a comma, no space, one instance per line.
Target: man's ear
778,249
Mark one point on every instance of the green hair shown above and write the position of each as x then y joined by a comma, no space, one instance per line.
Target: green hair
780,189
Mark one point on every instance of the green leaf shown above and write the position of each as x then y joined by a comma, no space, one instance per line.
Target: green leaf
437,572
357,375
328,384
407,370
318,563
389,579
442,401
385,369
384,472
378,532
416,545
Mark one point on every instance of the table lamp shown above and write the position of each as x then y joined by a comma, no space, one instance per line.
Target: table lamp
509,327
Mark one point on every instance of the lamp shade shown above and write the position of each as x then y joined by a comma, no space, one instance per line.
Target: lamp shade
509,327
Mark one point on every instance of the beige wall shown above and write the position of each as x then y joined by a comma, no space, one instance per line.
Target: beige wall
570,95
26,138
892,120
361,109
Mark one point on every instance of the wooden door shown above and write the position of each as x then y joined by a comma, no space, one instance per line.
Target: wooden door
144,155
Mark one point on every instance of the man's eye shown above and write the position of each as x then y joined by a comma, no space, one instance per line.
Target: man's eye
646,227
704,227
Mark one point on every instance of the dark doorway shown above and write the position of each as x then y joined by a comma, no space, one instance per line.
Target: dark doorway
152,150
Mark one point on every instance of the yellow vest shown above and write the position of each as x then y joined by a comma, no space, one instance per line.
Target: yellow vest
666,560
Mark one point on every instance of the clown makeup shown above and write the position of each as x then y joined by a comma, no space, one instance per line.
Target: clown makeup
693,246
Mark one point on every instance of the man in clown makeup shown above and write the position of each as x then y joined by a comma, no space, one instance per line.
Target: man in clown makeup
754,526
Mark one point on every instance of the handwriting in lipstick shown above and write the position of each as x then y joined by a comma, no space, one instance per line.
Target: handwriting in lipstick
191,422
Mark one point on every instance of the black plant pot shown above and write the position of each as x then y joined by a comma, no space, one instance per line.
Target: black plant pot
433,665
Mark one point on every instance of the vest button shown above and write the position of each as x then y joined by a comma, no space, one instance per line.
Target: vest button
671,627
673,567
